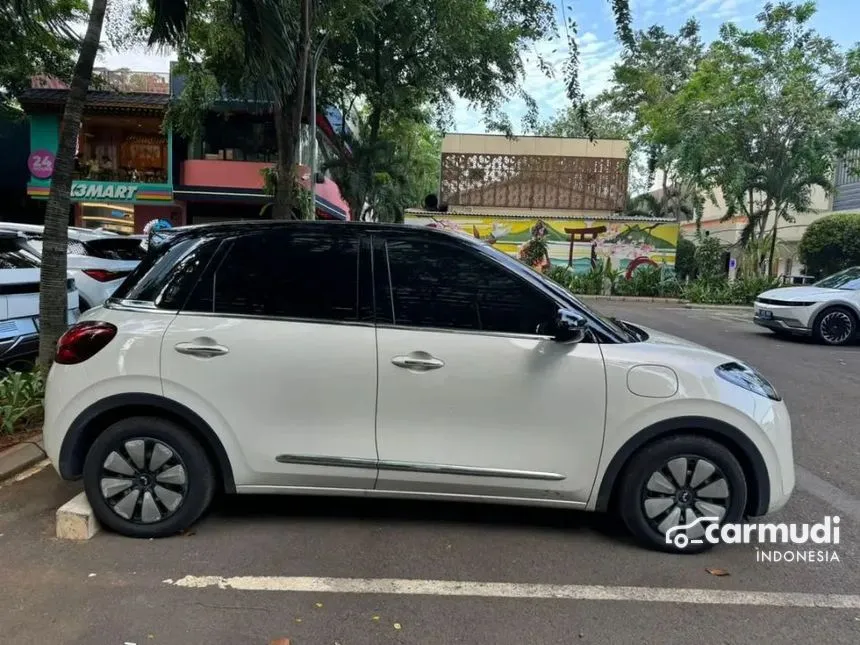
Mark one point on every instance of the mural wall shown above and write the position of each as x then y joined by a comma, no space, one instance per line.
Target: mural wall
574,243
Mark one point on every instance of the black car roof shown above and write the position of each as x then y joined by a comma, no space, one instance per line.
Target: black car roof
227,229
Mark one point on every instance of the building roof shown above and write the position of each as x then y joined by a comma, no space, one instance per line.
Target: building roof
54,100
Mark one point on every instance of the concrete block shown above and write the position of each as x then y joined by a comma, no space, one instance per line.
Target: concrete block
75,519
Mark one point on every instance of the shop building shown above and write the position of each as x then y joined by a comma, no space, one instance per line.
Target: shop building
123,169
219,174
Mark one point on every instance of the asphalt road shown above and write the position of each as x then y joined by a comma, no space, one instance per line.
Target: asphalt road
319,571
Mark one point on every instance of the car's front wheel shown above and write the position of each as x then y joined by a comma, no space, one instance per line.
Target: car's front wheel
674,488
835,326
148,477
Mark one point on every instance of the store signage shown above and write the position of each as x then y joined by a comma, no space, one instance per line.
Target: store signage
112,191
41,164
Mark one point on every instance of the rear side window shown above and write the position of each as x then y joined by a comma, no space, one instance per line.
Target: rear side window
285,274
13,256
115,249
167,275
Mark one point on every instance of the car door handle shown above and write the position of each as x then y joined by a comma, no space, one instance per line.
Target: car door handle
203,351
423,363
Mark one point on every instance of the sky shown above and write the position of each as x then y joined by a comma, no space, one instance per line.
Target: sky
599,50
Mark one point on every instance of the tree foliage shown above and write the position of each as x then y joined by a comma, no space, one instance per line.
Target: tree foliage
380,180
756,119
831,244
32,48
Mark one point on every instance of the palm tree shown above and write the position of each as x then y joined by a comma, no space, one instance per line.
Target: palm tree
671,204
52,300
278,48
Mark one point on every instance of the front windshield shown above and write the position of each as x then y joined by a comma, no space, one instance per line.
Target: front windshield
848,280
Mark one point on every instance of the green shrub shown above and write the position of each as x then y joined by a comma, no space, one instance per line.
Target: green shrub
742,291
709,260
644,281
587,284
685,259
21,395
831,244
560,274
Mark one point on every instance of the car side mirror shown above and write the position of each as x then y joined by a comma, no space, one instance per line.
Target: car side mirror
569,326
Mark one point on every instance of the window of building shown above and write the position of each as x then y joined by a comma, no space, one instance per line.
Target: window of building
441,285
117,148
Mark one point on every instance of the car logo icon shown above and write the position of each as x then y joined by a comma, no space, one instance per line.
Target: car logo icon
681,539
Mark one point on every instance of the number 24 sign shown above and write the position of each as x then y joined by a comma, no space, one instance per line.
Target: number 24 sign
41,164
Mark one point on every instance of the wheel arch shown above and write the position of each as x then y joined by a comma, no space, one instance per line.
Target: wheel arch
744,450
99,416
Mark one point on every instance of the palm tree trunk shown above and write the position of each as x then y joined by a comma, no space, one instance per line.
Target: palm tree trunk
288,123
52,300
776,215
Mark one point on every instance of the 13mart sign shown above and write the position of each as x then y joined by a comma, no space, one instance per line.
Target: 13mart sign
96,190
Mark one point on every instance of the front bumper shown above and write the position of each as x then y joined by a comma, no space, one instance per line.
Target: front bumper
795,320
779,324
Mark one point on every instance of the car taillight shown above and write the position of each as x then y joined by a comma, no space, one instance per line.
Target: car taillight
83,341
103,275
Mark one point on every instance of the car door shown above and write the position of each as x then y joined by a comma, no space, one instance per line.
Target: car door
473,400
277,343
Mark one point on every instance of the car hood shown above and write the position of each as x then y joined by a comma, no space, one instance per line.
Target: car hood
800,294
664,349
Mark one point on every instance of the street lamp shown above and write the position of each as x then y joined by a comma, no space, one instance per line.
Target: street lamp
313,124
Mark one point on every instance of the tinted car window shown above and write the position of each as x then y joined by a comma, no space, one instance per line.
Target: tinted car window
292,274
442,285
167,275
14,257
116,248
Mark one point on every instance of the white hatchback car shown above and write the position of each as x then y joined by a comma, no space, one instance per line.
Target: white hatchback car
98,260
396,361
828,310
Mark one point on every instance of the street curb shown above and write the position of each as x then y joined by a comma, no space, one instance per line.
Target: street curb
672,301
20,457
76,520
745,308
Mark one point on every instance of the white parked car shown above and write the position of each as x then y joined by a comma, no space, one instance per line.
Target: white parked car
828,310
19,302
98,260
396,361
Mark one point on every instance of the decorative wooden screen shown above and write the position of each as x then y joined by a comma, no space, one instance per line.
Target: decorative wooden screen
525,181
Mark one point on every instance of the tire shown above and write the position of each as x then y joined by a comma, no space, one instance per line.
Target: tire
835,326
647,509
157,499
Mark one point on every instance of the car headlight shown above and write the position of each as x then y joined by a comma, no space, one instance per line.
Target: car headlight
746,377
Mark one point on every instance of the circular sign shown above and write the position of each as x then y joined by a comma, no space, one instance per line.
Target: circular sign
41,164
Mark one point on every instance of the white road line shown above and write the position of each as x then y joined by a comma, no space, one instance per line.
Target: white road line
811,483
515,590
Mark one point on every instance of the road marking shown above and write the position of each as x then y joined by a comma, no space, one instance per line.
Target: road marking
837,498
516,590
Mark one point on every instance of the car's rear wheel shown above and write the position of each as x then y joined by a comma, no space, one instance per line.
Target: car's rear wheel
148,477
835,326
681,481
